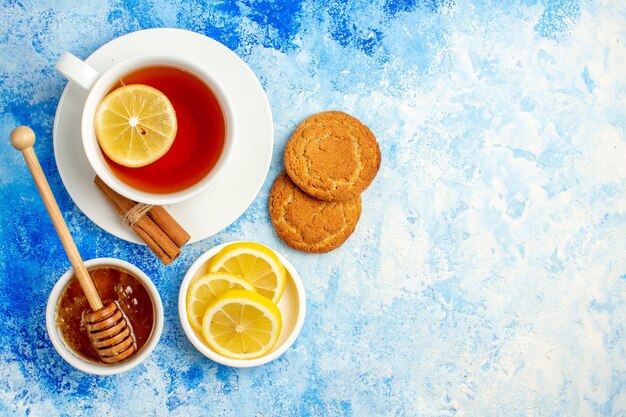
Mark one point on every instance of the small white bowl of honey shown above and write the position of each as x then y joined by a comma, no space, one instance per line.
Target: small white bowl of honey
118,281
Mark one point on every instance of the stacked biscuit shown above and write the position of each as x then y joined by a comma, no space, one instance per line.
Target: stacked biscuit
330,159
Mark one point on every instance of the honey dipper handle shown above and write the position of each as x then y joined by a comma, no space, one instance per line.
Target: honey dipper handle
23,139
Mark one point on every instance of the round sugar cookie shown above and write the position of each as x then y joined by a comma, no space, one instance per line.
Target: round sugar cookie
332,156
308,224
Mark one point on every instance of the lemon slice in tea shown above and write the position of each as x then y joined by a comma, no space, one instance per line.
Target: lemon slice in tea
135,125
241,324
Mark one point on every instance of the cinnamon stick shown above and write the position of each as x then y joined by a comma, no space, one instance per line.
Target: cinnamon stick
170,226
158,229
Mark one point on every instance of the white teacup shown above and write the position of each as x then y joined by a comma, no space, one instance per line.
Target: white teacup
99,84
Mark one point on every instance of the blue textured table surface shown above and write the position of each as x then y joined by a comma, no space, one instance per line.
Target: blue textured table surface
487,274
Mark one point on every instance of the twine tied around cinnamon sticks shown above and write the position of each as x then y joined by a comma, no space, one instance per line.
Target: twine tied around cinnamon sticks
135,214
153,224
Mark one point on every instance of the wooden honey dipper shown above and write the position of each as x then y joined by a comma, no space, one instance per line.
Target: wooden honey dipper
108,328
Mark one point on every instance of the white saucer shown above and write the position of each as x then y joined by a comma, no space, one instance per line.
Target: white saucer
214,209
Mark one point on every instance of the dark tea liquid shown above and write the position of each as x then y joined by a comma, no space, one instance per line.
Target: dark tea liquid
113,284
199,140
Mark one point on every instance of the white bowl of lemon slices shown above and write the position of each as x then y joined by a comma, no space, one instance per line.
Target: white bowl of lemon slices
242,304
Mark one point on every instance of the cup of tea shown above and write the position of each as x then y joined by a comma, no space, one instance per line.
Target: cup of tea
205,137
117,281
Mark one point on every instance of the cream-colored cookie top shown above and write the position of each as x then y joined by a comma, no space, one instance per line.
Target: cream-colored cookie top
308,224
332,156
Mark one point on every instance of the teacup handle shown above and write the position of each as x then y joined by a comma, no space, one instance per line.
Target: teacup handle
77,71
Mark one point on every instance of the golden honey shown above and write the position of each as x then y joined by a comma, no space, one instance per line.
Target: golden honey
113,284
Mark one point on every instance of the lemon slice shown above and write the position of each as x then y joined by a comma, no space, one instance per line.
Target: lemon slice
135,125
255,263
204,289
241,324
